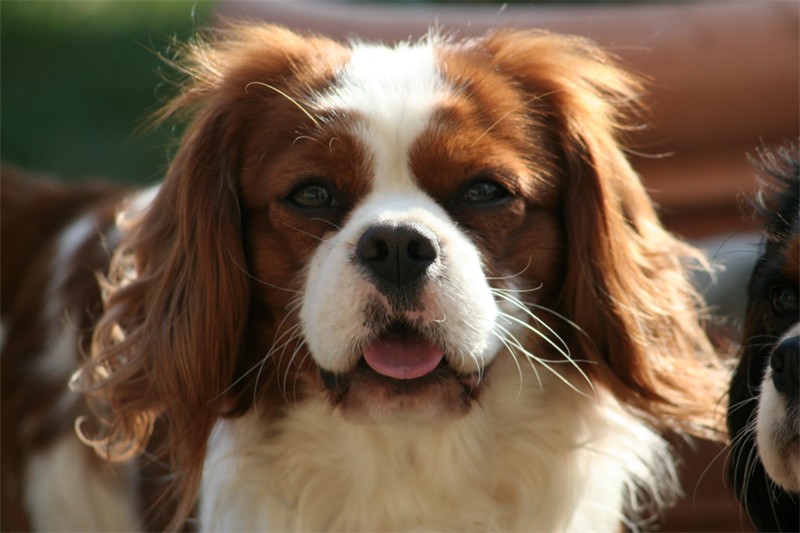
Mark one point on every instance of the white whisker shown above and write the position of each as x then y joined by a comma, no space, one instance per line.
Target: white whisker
284,388
335,226
524,307
533,358
513,353
512,276
280,333
292,100
317,237
511,112
547,334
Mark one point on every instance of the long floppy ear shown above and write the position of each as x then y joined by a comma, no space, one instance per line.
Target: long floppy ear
627,285
178,291
176,307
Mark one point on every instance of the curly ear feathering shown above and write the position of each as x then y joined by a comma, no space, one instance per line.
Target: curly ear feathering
389,287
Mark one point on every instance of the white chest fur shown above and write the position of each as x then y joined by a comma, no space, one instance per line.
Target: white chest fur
530,457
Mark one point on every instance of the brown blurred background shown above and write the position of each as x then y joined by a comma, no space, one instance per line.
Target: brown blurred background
724,76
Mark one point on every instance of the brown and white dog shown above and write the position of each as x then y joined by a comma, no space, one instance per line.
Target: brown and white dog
381,287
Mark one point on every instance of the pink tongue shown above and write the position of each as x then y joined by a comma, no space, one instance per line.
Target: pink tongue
402,355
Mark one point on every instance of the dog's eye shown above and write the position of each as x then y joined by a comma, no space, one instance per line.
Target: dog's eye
313,196
784,300
484,192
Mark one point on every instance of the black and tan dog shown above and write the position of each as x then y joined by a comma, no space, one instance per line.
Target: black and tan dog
764,411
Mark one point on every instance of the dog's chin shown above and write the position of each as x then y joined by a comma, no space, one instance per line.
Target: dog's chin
365,396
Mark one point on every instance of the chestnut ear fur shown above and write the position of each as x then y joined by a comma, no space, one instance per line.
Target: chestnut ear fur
627,285
177,293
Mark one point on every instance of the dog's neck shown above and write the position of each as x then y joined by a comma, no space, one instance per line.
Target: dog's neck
520,460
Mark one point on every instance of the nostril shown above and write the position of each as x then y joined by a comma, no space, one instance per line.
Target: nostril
785,364
372,247
398,253
424,248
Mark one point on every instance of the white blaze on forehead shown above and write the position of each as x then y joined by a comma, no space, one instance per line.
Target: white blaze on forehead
389,96
393,93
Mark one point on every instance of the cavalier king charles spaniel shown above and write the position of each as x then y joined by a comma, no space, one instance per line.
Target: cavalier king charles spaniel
381,287
764,412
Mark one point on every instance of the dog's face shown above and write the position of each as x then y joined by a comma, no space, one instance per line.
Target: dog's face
406,204
764,413
398,310
380,225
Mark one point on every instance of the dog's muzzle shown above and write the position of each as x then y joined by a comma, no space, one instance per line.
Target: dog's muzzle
398,258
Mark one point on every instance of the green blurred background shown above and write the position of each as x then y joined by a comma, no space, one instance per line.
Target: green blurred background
79,80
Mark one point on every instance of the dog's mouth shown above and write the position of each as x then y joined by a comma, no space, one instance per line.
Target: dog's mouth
402,374
403,354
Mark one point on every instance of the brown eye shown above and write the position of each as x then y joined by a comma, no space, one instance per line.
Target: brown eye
484,192
313,196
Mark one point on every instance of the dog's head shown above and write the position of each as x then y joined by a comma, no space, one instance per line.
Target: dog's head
764,412
380,225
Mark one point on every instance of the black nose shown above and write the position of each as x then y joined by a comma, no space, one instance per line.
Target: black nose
785,363
399,253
